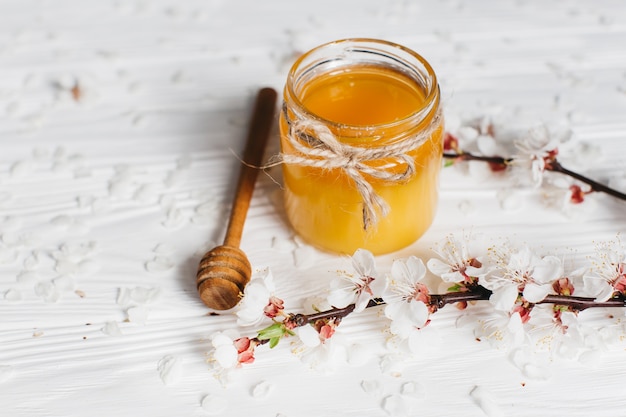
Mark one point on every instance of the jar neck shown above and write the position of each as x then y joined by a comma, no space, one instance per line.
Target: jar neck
342,56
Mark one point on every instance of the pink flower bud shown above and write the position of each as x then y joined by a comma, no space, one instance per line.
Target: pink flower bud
274,307
450,142
563,286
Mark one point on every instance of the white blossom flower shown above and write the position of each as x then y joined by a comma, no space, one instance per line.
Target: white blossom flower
325,356
257,296
555,332
535,149
502,330
308,336
459,261
224,352
607,274
230,351
521,272
358,289
572,200
320,345
407,297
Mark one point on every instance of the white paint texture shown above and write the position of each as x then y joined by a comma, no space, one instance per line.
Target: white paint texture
118,123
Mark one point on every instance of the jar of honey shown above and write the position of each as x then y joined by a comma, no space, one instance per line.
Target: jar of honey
361,146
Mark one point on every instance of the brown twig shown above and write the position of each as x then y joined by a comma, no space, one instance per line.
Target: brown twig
551,165
556,166
438,301
477,293
466,156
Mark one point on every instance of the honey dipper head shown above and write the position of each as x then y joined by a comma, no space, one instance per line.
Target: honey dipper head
222,276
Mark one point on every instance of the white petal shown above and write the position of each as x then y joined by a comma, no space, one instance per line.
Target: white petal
364,263
451,277
249,317
413,389
395,405
485,401
268,279
548,270
308,335
361,302
304,257
341,297
214,404
438,267
504,297
220,339
534,293
170,369
6,372
419,313
515,324
416,268
536,372
112,329
226,355
410,270
598,287
523,258
359,354
250,309
262,390
606,293
256,291
401,325
378,286
371,387
406,317
138,314
399,271
475,272
393,364
487,145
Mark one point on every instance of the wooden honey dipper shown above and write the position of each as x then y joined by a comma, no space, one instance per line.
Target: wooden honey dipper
225,270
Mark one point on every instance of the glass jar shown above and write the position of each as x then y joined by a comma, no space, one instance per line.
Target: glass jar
361,146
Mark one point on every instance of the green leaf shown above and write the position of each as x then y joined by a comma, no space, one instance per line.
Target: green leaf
274,341
455,287
275,330
559,307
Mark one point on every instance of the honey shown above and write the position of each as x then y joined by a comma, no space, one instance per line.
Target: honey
363,95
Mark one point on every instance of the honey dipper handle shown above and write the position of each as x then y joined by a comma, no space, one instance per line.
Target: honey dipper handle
258,134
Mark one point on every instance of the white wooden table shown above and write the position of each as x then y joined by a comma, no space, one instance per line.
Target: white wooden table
117,121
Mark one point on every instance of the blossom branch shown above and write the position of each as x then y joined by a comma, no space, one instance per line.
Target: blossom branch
467,156
551,164
481,293
582,303
514,280
556,166
300,320
438,301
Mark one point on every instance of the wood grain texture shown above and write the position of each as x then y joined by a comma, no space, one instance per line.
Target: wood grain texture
109,202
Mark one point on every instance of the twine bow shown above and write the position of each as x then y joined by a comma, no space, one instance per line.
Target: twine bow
318,147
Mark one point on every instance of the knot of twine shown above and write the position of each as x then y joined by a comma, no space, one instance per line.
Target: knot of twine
318,147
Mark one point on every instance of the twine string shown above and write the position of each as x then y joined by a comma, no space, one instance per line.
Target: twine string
316,146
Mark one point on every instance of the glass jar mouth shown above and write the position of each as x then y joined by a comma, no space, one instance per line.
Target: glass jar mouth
348,52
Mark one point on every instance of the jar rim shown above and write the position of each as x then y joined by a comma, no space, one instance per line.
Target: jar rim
359,45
